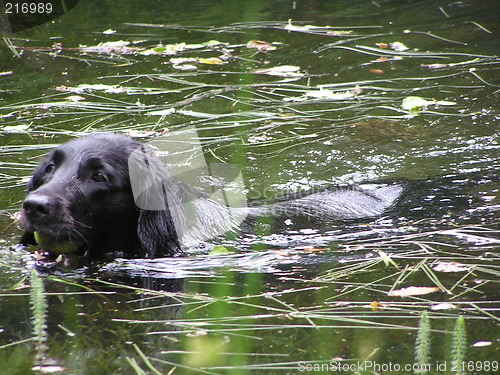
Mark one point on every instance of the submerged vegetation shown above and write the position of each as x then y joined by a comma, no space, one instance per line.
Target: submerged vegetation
298,106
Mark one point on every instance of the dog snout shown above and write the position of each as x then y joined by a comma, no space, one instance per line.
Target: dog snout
37,206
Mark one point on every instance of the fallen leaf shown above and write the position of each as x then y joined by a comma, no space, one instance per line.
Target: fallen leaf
281,71
48,369
63,88
398,46
444,102
260,45
434,66
329,94
173,49
259,138
185,67
325,30
414,102
75,98
15,128
377,71
163,112
387,259
377,306
451,267
120,47
169,49
211,61
443,306
110,89
382,45
218,250
291,27
481,344
413,291
183,60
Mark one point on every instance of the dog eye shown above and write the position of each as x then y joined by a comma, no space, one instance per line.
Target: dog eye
49,168
99,177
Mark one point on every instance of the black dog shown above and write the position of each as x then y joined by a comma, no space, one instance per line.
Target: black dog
82,200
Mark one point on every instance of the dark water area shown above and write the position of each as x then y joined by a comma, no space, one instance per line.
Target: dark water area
337,93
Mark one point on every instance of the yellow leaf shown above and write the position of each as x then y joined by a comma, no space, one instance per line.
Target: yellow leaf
387,259
260,45
211,61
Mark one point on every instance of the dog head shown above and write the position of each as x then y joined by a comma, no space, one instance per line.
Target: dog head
80,201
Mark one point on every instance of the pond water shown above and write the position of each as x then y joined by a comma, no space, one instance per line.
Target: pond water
337,93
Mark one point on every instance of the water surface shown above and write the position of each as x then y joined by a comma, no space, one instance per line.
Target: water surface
291,296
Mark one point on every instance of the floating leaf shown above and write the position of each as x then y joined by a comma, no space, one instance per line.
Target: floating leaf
444,102
15,128
451,267
329,94
387,259
414,102
75,98
218,250
260,45
168,50
413,291
163,112
312,29
186,63
183,60
48,369
377,306
481,344
211,61
434,66
398,46
444,306
110,89
175,48
281,71
120,47
291,27
185,67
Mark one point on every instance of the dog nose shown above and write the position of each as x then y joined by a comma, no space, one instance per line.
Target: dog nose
37,206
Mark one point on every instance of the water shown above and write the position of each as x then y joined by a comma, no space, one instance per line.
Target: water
290,297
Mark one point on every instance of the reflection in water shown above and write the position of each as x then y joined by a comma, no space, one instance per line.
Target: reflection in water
275,246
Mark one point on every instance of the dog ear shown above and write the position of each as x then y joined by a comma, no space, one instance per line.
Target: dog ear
158,199
157,234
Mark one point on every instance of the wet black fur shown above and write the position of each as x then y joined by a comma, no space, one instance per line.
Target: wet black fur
102,215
